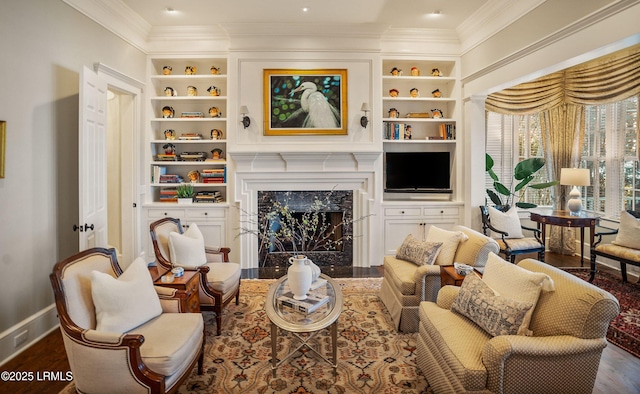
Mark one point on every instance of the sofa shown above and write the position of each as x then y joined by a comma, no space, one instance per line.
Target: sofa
406,284
559,352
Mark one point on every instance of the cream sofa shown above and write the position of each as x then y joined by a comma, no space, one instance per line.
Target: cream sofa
405,284
569,326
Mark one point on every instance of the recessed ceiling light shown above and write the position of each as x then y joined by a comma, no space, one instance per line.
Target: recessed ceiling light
169,9
305,9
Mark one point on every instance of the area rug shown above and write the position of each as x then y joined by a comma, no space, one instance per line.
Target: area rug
372,356
624,330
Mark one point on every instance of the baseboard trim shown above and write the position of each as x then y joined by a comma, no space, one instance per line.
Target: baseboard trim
36,327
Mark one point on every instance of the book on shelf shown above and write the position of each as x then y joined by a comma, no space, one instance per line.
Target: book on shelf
397,131
447,131
190,136
158,171
166,157
306,306
194,114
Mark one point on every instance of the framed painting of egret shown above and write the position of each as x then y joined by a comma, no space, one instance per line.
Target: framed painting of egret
305,102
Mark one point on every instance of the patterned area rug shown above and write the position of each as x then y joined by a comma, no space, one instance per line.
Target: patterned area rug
372,356
624,330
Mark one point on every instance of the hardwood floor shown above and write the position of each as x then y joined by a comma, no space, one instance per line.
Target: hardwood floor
618,373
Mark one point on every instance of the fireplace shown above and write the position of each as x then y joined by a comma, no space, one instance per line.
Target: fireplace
315,223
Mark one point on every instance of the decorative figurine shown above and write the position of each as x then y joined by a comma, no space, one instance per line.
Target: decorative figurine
194,176
215,70
396,72
213,91
436,93
169,134
414,92
415,72
169,149
166,70
393,113
214,112
393,92
435,72
407,132
216,134
170,92
436,113
192,91
168,112
216,154
190,70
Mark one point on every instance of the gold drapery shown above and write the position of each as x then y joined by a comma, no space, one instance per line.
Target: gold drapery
560,98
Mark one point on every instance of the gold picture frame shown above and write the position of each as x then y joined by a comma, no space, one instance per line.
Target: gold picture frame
3,142
305,102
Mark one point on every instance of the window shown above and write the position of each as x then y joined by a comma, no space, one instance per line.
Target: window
611,153
507,151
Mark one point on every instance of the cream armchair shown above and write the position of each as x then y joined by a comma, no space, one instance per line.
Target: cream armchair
406,284
156,356
569,326
219,279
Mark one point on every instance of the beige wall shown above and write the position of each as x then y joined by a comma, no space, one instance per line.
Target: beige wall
44,45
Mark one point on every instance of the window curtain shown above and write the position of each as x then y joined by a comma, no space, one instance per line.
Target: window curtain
560,98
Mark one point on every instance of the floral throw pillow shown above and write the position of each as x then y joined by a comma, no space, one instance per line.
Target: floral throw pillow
495,314
418,252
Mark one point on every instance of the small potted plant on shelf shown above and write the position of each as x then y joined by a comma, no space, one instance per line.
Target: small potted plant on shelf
185,193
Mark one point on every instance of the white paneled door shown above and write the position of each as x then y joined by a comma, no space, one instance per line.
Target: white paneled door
92,166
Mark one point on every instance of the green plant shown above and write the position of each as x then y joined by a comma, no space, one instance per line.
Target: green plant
185,190
523,174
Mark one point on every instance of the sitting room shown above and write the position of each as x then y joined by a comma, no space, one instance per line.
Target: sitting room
408,197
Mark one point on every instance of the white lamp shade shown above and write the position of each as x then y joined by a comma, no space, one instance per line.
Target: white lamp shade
244,110
365,107
575,177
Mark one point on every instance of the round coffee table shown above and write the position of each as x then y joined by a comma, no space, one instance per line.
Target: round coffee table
287,319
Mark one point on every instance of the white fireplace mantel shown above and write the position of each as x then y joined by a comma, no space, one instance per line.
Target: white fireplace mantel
299,171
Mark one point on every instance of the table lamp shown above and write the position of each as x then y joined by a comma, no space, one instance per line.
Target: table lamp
575,177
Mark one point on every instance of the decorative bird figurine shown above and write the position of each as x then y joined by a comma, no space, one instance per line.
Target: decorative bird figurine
320,113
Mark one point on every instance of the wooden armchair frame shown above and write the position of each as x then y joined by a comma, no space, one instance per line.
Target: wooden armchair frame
509,246
622,260
220,300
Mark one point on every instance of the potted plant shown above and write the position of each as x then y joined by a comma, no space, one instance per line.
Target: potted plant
185,193
523,174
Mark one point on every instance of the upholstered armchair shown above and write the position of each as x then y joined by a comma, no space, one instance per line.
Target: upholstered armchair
473,341
507,231
219,279
406,284
121,334
625,248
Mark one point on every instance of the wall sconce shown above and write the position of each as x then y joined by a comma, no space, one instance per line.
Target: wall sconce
575,177
244,111
364,120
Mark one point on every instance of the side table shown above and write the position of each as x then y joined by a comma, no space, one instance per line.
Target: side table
565,219
188,282
449,276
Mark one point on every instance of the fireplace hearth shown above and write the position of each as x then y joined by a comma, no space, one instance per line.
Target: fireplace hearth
328,213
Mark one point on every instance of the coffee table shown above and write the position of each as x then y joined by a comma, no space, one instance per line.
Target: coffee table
298,323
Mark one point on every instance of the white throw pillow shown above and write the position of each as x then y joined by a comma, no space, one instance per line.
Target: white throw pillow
187,250
509,222
628,231
125,302
450,241
511,281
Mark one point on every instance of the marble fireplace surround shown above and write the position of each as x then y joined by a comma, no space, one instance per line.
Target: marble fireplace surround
309,171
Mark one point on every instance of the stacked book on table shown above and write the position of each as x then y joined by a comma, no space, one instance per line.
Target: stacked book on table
309,304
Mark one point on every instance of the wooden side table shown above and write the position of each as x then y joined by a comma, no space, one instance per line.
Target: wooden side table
449,276
189,282
564,219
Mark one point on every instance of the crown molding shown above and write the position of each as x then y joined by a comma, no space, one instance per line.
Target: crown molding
491,18
117,17
366,30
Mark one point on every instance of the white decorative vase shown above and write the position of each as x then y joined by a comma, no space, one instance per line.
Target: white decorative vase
299,276
315,271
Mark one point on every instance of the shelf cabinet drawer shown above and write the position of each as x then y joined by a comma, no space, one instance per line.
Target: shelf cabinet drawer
166,213
402,212
442,211
204,214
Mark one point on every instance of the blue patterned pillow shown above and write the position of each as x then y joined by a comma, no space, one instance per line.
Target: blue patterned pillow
495,314
418,252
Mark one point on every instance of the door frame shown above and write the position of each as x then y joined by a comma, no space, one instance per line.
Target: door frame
131,198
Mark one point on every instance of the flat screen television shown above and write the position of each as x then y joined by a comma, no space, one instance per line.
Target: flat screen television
417,172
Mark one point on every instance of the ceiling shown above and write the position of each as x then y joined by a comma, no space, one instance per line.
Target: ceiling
423,14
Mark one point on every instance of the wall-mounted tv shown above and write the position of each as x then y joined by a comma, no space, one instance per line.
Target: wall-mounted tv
417,172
